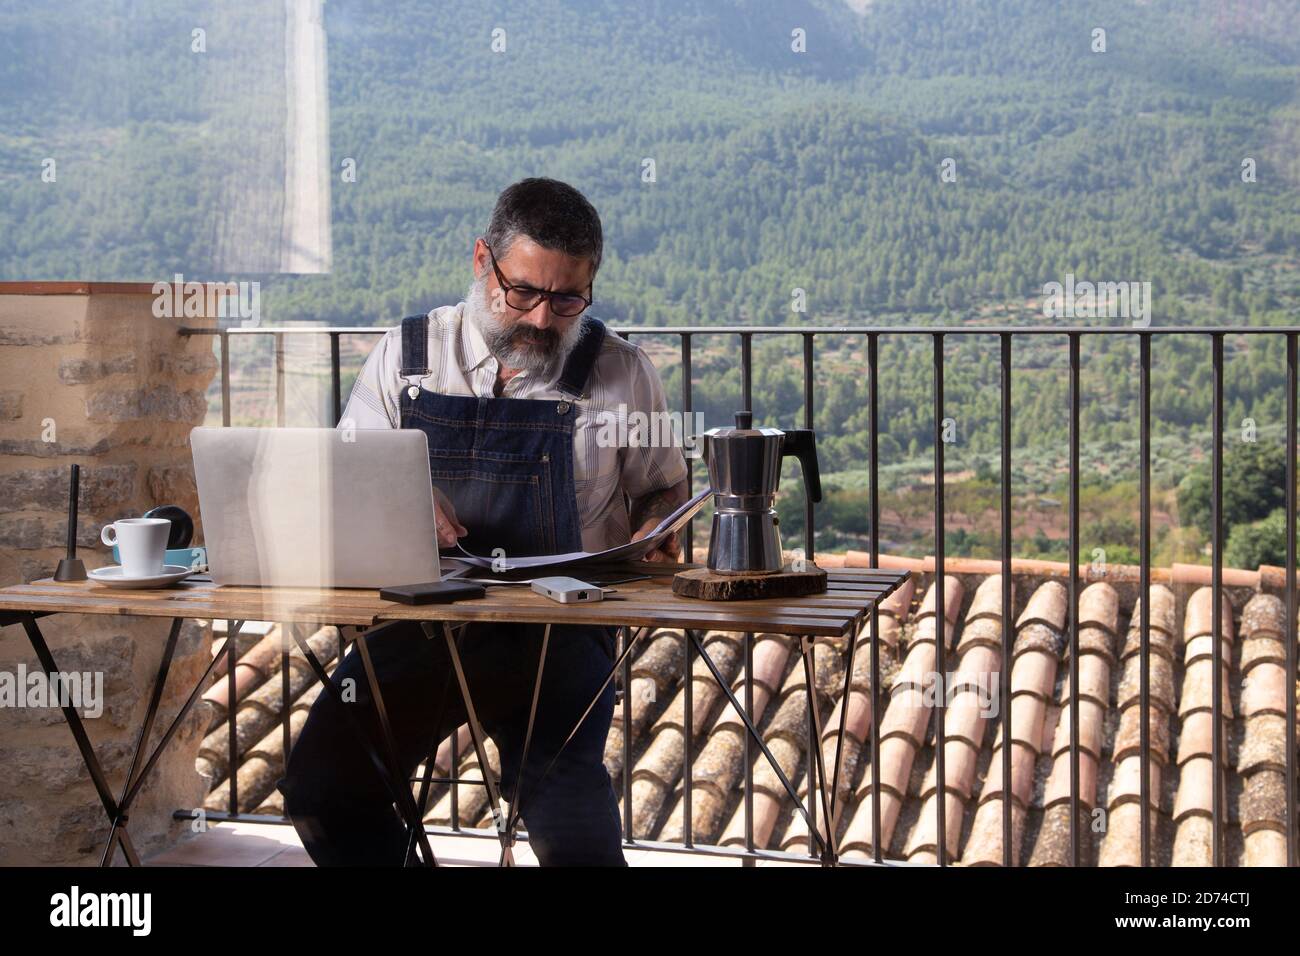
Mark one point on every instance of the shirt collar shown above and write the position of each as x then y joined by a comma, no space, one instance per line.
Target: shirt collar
473,346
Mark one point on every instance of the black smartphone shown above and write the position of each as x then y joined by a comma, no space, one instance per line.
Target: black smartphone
434,592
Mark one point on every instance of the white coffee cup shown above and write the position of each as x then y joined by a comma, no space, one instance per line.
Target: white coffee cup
141,544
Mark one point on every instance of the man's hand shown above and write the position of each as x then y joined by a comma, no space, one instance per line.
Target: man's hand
449,529
646,514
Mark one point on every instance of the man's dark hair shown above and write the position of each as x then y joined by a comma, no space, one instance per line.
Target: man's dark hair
552,214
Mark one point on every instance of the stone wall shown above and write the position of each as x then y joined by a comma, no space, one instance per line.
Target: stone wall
89,375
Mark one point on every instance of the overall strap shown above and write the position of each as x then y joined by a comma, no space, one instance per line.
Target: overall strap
578,366
415,346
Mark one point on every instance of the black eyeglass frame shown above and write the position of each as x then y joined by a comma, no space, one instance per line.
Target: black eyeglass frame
540,294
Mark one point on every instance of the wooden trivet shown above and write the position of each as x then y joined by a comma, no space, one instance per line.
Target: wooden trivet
711,586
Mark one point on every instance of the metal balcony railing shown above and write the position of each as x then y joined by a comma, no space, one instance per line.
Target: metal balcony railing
1006,336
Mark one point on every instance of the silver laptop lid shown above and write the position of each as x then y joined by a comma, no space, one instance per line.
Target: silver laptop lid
316,507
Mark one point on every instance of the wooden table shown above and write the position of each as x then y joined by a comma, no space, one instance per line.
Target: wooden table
838,612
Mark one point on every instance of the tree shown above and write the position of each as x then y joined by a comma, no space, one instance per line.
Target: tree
1254,484
1261,542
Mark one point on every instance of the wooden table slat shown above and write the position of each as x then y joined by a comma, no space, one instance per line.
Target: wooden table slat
645,603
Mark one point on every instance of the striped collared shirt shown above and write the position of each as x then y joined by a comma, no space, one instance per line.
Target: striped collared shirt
623,381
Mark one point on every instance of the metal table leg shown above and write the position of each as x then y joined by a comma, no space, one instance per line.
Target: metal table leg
816,764
626,652
758,739
117,811
426,781
512,819
390,773
508,824
479,738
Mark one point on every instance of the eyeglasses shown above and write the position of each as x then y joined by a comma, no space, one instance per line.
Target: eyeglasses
525,298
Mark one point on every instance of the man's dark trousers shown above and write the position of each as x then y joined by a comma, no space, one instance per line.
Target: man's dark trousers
345,815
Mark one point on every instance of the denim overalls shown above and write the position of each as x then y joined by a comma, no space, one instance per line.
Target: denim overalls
505,463
507,466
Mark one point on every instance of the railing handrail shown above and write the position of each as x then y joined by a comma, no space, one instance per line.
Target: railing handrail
809,330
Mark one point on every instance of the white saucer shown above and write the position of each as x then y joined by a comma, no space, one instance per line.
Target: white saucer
113,577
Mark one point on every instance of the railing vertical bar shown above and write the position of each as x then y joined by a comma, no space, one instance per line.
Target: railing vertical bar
747,371
809,531
940,610
1076,831
1007,609
1144,589
1217,598
813,794
225,378
749,748
285,702
1293,676
279,380
688,538
873,401
627,738
336,379
232,731
688,726
688,768
454,777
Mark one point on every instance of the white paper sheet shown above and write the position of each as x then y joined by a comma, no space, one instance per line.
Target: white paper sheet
632,551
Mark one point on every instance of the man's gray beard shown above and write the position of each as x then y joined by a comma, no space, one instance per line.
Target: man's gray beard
499,335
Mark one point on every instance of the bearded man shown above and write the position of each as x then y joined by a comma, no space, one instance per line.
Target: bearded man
511,387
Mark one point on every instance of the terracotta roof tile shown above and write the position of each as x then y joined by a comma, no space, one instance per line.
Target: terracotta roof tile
1195,788
1125,784
1264,744
1264,847
1200,619
922,845
1023,760
1034,674
1053,844
1094,679
1048,605
1264,615
984,847
1257,650
1263,802
960,760
1202,648
1194,842
1128,739
1099,607
1121,844
1265,690
1058,783
987,602
986,632
859,840
1198,688
1092,717
1160,682
1203,574
1095,642
952,596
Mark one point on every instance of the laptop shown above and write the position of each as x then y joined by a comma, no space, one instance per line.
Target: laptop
316,507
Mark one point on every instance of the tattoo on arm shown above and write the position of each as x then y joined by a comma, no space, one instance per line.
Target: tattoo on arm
658,504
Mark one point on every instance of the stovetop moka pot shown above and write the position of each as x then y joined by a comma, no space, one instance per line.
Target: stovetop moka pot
745,474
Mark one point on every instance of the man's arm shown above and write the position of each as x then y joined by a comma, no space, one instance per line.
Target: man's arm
646,513
655,477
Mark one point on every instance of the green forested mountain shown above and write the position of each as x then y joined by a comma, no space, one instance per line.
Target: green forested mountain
774,171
